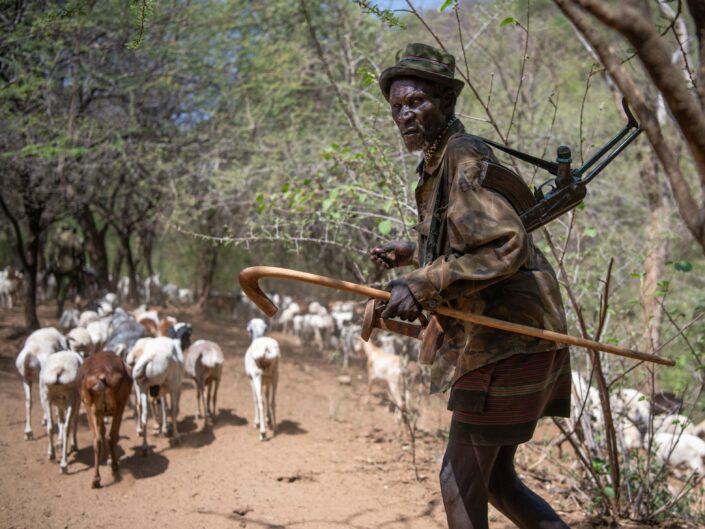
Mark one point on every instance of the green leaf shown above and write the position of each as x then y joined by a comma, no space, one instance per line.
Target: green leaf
507,21
608,491
638,275
590,232
581,206
445,5
384,227
368,78
683,266
662,288
285,187
327,203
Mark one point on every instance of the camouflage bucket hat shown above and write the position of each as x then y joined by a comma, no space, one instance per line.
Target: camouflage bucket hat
422,60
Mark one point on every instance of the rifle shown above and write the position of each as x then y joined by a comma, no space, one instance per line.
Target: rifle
568,186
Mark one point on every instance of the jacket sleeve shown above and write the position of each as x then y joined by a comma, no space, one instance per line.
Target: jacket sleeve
487,242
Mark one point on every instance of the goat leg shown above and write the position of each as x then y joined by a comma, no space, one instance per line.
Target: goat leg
92,424
207,399
199,399
174,413
50,433
273,404
114,436
28,435
63,465
254,399
143,420
216,384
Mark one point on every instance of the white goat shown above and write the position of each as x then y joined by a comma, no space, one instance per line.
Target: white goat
384,367
57,384
262,368
158,372
673,424
286,318
348,340
99,331
10,282
69,319
585,409
38,346
79,340
203,362
256,328
86,317
632,404
684,449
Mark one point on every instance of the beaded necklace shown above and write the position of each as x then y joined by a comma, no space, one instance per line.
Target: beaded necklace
428,153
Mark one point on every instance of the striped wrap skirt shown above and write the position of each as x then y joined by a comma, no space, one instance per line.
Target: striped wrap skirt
500,403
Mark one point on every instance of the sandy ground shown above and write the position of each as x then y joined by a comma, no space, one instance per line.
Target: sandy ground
338,461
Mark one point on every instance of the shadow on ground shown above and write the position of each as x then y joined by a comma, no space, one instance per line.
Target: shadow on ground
290,428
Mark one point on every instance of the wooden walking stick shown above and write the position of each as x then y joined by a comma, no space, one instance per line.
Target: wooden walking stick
249,281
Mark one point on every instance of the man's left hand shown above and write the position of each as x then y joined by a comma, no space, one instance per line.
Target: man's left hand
402,304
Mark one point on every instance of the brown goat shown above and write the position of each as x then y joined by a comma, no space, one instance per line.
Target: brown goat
150,326
104,383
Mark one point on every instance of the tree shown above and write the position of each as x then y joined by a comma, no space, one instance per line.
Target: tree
684,96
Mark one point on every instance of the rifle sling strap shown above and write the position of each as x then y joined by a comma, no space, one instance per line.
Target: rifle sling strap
492,176
508,184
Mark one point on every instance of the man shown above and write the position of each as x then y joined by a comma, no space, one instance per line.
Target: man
473,254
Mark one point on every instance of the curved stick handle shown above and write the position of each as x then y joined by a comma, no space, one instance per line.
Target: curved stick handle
249,278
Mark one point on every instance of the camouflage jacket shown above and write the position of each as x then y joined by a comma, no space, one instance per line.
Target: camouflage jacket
488,264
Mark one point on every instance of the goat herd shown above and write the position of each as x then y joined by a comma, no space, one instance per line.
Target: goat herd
108,354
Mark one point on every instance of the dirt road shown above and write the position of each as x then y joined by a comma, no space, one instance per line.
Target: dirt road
337,461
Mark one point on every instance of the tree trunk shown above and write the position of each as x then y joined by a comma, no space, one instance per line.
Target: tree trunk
208,274
131,268
95,245
147,249
34,216
656,253
117,265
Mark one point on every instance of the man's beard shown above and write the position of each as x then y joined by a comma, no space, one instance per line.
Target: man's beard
421,142
423,139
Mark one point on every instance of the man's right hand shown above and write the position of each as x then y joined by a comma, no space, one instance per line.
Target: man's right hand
393,254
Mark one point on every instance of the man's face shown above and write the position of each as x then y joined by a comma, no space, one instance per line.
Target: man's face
416,109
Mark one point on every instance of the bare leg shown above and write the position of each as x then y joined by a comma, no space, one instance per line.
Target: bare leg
465,475
514,499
